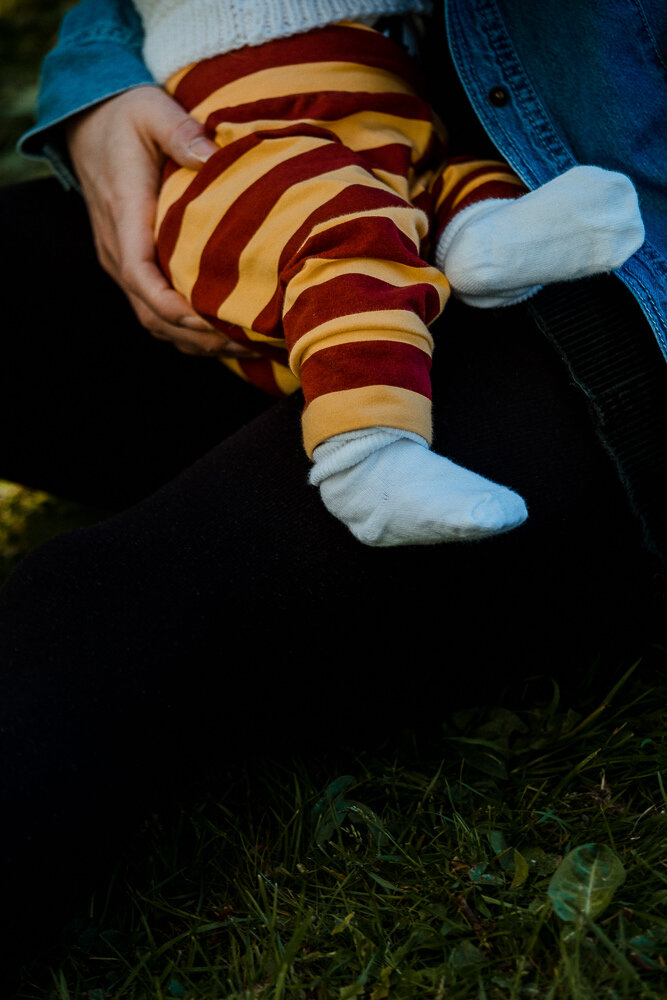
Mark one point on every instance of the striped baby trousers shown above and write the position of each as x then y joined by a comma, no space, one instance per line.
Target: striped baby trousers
305,237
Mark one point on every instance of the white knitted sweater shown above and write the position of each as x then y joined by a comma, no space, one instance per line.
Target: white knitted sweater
180,32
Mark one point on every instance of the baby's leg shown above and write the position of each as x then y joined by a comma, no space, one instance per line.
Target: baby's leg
298,231
585,222
357,328
357,307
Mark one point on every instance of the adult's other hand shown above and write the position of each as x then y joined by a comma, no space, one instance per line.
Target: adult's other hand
117,149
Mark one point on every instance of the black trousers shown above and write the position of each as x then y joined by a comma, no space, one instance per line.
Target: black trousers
222,610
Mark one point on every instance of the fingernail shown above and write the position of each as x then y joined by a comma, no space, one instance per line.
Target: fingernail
201,149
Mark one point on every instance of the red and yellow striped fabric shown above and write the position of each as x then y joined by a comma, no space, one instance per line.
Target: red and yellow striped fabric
303,236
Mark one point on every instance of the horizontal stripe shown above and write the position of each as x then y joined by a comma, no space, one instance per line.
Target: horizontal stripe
193,225
299,233
307,78
355,409
251,208
263,260
386,141
382,324
355,364
349,294
410,224
325,289
366,238
322,270
209,177
207,184
479,187
210,295
492,189
460,181
353,200
325,105
340,42
459,172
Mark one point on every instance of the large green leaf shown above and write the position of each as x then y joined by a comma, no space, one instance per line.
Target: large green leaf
585,881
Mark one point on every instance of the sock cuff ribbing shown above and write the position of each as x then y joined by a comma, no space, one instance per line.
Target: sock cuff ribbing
342,451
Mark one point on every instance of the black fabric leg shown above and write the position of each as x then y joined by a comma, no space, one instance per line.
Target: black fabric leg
92,408
228,612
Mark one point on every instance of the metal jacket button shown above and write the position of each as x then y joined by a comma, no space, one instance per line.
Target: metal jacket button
498,96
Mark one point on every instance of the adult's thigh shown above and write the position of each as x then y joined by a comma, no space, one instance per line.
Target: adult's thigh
228,611
92,407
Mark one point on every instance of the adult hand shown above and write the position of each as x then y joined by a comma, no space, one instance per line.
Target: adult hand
117,149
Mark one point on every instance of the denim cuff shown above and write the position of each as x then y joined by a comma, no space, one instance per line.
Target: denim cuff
98,55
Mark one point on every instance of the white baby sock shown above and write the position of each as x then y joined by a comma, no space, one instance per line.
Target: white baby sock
389,489
498,252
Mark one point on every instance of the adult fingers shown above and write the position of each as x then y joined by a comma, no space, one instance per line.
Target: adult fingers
182,138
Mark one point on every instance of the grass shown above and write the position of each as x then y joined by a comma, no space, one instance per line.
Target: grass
452,867
29,517
448,865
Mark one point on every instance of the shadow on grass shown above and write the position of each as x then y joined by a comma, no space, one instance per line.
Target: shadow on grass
515,853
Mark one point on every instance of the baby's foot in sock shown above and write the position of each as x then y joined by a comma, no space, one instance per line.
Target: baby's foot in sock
585,222
391,490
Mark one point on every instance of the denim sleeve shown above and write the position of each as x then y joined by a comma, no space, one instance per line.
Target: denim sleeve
561,82
98,55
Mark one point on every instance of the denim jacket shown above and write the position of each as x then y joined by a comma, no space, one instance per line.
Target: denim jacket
98,55
604,104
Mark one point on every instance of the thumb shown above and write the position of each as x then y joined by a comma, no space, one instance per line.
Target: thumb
182,137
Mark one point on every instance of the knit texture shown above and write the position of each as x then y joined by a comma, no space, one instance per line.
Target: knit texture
389,489
583,222
180,32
